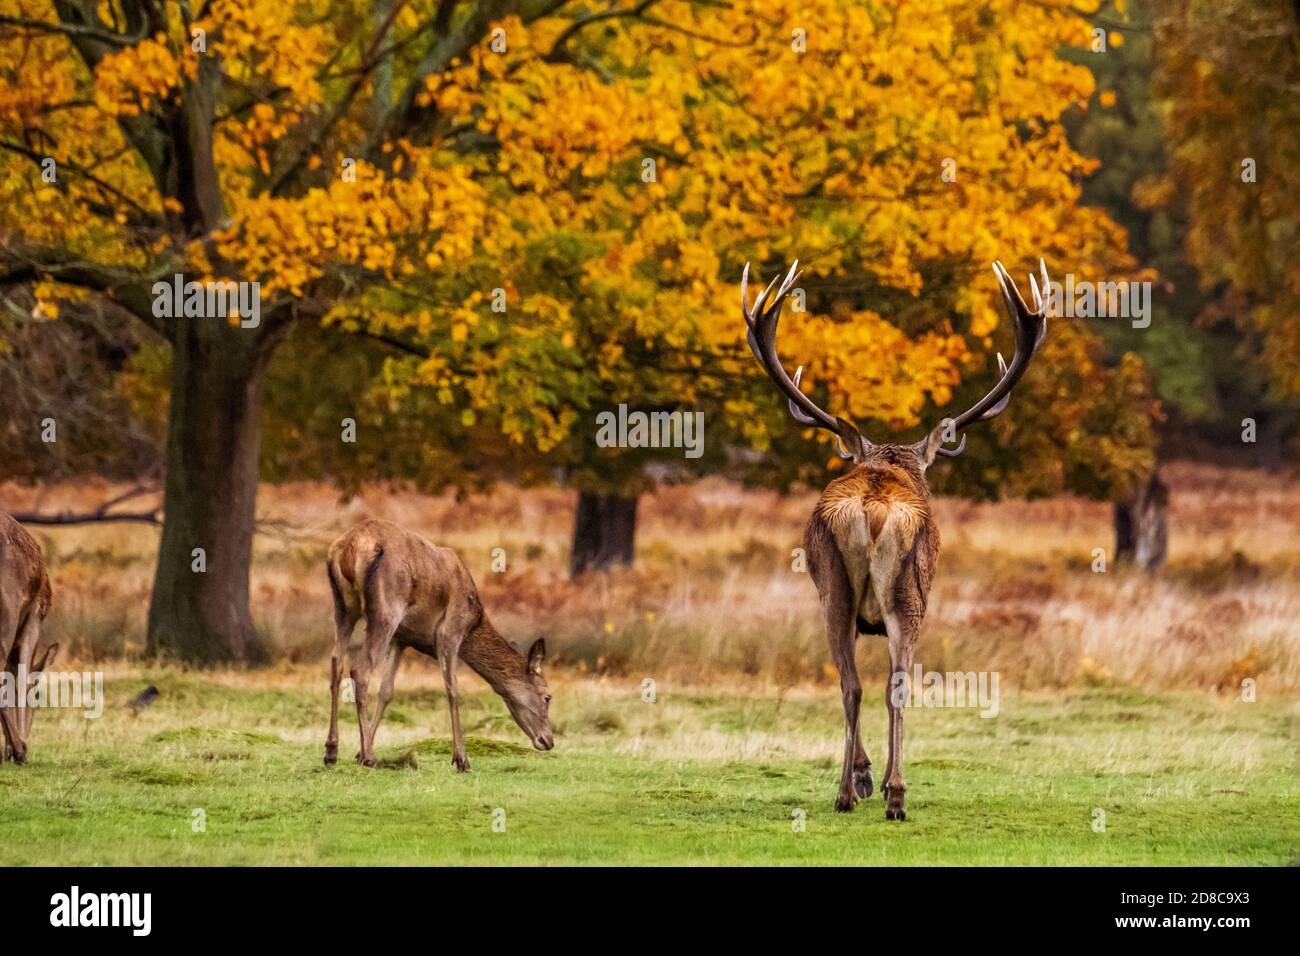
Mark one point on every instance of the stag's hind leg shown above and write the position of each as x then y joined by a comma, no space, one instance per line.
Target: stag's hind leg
839,613
902,643
841,634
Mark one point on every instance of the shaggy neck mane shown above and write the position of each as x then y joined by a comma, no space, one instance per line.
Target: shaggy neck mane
491,656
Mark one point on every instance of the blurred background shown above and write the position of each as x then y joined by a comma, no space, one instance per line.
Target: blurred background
476,224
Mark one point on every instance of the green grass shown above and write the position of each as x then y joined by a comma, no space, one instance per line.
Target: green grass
699,777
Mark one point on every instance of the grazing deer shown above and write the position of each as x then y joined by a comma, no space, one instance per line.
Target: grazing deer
871,542
24,601
415,594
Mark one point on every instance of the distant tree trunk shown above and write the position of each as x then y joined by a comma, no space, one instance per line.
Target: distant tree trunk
209,497
1271,443
1142,525
604,532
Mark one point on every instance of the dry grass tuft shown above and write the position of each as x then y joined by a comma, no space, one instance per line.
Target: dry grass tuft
714,599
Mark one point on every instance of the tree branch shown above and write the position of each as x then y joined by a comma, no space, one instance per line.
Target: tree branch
131,290
369,61
100,515
402,115
34,156
72,30
558,53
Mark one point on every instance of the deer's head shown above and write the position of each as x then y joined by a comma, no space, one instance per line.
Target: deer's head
851,445
18,720
529,699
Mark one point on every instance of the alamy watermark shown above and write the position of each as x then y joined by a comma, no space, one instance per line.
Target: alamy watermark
932,689
130,910
74,690
1100,300
207,300
638,429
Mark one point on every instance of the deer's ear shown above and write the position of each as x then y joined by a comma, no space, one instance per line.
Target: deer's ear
928,447
536,654
851,440
45,659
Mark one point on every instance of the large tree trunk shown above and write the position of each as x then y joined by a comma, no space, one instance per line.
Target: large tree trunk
1142,524
210,496
604,532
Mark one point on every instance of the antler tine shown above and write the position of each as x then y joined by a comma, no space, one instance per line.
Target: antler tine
1047,291
1015,302
803,419
762,319
762,301
744,296
1002,372
790,278
954,452
796,412
1030,329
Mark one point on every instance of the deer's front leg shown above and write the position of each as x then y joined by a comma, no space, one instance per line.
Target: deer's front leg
448,654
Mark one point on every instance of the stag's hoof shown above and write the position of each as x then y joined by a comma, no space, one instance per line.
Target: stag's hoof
845,804
894,797
331,755
862,782
365,761
462,764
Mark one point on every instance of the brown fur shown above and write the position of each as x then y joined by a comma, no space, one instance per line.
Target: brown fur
25,598
871,543
412,593
872,549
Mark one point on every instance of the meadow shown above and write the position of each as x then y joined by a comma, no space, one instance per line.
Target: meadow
1124,732
227,770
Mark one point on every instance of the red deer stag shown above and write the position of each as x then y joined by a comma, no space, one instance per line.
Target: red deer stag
24,602
415,594
871,542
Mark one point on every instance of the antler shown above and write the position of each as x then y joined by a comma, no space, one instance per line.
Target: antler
1030,329
762,320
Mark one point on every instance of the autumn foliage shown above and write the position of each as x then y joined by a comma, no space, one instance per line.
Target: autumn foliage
544,207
